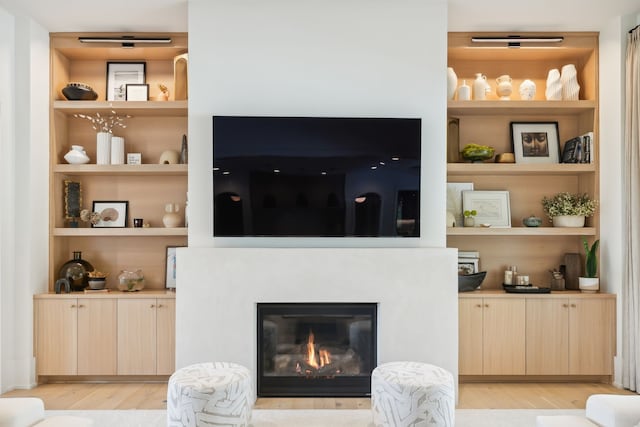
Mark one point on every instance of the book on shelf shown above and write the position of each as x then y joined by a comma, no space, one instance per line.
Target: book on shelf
468,254
579,149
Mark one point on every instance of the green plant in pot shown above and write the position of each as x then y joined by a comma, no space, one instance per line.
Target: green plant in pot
568,210
469,220
590,282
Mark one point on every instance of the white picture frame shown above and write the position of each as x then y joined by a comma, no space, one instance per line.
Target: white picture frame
137,92
535,142
492,207
454,199
170,267
134,158
119,74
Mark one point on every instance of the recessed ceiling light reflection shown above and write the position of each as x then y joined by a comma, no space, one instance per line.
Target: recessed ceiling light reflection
382,163
276,171
374,167
235,198
360,199
323,173
395,159
226,173
216,168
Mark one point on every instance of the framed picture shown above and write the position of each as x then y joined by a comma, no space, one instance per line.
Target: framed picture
170,267
454,199
467,266
492,207
134,158
119,74
535,142
113,214
72,200
136,92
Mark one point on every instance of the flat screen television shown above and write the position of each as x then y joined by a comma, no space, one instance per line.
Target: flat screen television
316,176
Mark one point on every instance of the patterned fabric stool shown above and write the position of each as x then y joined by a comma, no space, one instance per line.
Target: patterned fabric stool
210,394
412,394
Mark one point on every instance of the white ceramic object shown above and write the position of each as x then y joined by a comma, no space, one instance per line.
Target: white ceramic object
574,221
480,87
117,150
589,284
169,157
504,87
569,80
171,218
103,148
553,91
77,155
527,90
464,92
452,83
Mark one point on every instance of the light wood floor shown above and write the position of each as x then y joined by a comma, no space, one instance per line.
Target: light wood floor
471,396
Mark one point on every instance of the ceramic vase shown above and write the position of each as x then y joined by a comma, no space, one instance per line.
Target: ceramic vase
464,91
171,218
117,150
452,83
103,148
569,80
77,155
480,87
553,91
504,87
527,90
568,221
589,284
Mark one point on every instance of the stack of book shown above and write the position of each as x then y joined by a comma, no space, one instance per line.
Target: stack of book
468,262
579,149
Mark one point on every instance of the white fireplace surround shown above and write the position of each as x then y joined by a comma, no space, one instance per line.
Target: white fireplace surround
415,288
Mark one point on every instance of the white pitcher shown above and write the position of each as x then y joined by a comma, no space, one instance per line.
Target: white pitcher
480,87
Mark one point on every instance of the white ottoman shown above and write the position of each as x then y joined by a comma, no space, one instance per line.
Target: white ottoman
610,410
412,394
208,394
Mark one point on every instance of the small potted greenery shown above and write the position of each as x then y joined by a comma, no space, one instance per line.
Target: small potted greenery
590,282
569,210
469,220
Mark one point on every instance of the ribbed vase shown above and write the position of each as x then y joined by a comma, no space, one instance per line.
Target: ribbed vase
103,148
553,91
117,150
569,80
452,83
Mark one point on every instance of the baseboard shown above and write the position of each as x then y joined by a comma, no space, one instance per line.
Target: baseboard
605,379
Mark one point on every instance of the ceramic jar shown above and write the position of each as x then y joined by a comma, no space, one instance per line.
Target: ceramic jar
553,92
452,83
464,92
527,90
77,155
131,280
171,217
480,87
504,87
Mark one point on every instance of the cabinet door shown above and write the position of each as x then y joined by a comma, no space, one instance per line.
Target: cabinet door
503,336
591,336
470,336
137,336
97,341
56,336
166,336
547,336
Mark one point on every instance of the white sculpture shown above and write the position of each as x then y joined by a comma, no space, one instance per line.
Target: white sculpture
569,80
554,86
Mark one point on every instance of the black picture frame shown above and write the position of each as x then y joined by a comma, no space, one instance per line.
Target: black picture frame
117,212
121,73
136,92
535,142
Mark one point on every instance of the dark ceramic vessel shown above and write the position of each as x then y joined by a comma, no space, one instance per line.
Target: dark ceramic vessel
76,271
79,92
470,282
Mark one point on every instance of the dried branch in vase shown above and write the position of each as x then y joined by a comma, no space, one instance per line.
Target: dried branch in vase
105,123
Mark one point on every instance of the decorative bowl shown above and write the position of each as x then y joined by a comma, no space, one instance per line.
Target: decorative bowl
97,283
477,153
470,282
79,92
532,221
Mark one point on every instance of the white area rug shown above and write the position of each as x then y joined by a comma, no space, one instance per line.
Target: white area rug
323,417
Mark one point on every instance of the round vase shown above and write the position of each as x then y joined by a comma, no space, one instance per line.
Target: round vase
553,91
171,218
77,155
589,284
480,87
527,90
131,280
569,80
469,221
568,221
76,271
452,83
504,87
103,148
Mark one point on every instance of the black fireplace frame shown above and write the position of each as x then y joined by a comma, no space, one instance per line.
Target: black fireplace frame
316,387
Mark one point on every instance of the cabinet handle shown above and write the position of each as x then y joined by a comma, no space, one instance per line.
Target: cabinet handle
73,306
153,305
486,305
479,305
81,306
565,305
160,306
573,305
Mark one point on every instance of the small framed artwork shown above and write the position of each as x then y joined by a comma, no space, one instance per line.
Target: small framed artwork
113,214
170,267
492,207
134,158
136,92
120,74
535,142
467,266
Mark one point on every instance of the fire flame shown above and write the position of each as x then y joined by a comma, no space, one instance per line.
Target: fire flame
323,357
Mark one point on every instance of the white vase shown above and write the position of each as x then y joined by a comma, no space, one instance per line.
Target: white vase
77,155
464,91
568,221
452,83
589,284
117,150
504,87
171,218
480,87
569,80
553,91
527,90
103,148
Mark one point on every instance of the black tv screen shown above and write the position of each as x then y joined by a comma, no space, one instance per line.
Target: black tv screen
316,176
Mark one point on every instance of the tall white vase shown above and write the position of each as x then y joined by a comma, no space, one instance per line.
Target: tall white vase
452,83
570,86
117,150
553,92
103,148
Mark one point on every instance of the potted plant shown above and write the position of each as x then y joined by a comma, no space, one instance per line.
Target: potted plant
590,282
569,210
469,220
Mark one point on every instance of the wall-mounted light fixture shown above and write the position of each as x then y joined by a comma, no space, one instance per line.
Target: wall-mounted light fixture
517,41
126,41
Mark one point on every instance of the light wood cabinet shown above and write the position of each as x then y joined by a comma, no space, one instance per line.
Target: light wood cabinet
76,336
166,337
152,128
491,336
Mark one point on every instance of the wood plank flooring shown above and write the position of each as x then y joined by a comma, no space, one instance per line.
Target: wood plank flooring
83,396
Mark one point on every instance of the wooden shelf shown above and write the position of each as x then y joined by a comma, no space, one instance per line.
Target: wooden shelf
517,107
133,108
521,231
144,169
118,232
519,169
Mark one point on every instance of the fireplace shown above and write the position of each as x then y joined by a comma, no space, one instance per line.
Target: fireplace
316,349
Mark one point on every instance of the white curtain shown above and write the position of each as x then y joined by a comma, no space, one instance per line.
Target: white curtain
631,282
